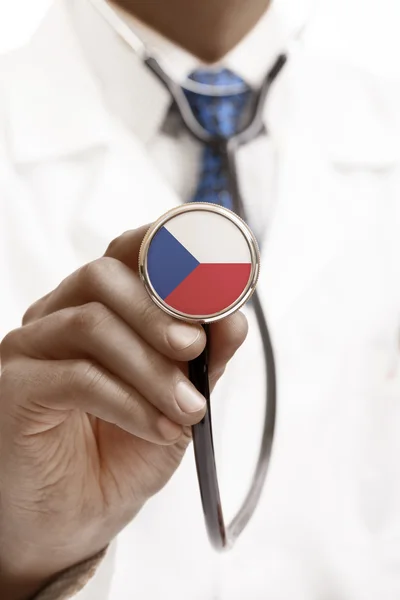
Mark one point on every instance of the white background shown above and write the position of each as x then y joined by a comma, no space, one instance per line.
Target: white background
18,19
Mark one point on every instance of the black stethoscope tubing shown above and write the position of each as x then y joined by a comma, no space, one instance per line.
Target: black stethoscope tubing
223,536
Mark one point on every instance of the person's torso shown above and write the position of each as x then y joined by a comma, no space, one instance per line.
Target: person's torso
323,195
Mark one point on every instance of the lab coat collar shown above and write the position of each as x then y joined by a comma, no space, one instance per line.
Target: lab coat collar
75,75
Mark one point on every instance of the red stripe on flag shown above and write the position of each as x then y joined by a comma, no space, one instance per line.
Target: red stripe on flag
210,288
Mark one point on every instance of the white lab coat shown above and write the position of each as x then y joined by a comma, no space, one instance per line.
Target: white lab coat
328,525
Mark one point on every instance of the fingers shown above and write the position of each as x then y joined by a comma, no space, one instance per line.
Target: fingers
126,247
48,388
112,392
109,282
93,332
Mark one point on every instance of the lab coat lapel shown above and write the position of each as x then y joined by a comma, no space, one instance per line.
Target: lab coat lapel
321,148
305,227
306,231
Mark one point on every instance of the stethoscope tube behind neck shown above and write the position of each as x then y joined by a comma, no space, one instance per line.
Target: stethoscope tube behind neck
180,100
252,129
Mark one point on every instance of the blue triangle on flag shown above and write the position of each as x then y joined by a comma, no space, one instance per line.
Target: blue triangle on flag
168,262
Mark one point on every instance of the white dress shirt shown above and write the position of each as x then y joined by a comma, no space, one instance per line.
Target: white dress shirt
86,153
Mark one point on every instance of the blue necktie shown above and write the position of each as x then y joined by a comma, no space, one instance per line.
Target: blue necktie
220,116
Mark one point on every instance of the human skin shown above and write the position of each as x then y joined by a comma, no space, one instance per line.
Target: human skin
208,29
95,414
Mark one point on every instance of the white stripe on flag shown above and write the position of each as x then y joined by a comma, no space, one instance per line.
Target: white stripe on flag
210,237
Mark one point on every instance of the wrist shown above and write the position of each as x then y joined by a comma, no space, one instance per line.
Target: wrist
23,572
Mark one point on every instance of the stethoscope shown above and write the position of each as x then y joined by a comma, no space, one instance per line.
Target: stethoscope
222,536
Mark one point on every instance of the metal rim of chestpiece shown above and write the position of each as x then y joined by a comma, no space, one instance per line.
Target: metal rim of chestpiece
254,257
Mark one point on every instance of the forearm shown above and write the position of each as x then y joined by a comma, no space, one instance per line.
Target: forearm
25,566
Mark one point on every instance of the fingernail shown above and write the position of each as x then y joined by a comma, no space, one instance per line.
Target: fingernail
168,429
188,399
182,336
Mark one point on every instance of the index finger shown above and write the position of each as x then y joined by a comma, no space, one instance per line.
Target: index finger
126,247
110,283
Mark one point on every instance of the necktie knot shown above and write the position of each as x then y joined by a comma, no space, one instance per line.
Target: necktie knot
218,108
219,113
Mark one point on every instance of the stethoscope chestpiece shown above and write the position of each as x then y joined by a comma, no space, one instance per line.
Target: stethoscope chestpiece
199,262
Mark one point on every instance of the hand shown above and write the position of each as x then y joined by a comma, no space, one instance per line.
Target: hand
95,413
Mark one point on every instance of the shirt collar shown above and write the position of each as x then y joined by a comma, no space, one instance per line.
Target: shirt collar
77,74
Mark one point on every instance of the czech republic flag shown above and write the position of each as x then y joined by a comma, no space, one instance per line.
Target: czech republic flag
200,262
